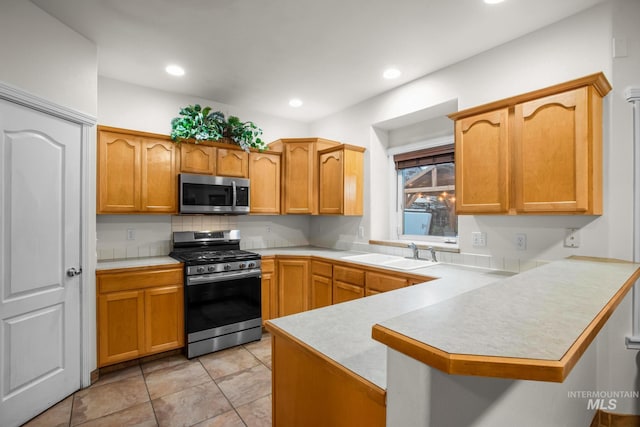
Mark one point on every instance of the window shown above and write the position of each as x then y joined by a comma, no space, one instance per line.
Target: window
427,194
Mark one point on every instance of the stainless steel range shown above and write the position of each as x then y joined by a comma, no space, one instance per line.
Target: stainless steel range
222,290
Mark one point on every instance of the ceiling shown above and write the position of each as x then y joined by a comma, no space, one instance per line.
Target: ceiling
258,54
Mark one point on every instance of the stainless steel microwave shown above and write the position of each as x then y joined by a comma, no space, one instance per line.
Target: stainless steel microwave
206,194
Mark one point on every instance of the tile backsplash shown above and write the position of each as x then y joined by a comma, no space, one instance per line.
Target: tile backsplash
152,237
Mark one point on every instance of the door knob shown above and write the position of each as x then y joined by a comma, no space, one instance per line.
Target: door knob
73,272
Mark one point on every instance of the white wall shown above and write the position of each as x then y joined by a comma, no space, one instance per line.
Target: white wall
130,106
42,56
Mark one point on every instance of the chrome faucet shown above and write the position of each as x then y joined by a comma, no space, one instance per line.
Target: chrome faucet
414,248
433,254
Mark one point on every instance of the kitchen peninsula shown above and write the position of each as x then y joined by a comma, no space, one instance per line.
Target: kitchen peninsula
537,325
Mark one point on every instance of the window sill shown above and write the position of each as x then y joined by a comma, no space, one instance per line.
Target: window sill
438,246
633,342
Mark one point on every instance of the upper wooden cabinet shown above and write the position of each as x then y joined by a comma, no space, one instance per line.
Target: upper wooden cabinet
213,158
482,152
197,158
264,175
341,175
300,173
136,172
232,162
537,153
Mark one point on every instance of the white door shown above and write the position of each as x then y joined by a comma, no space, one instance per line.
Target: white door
40,235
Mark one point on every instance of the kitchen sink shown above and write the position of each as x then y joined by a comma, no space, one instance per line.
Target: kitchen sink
391,261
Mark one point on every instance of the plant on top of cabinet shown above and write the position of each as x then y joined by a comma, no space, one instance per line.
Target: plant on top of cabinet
202,124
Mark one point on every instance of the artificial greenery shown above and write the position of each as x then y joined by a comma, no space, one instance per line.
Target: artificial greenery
202,124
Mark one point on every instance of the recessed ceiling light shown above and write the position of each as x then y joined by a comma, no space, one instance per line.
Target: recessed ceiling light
391,73
493,1
175,70
295,103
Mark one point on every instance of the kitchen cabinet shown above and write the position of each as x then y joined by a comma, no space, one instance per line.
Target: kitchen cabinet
214,158
310,389
293,285
136,172
269,289
197,158
140,312
264,175
341,175
299,188
232,162
321,284
348,283
537,153
481,158
378,282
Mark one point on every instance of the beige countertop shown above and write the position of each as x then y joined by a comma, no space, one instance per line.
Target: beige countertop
135,262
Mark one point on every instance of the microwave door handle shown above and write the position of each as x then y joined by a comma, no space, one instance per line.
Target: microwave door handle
233,185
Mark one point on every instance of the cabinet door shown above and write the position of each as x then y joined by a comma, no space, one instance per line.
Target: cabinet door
268,290
552,153
118,173
345,292
321,291
164,318
196,158
331,192
299,170
383,282
159,179
293,286
121,326
264,173
481,154
232,163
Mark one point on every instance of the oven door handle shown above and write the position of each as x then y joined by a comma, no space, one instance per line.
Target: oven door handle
222,277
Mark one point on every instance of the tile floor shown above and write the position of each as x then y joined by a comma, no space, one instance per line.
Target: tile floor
229,388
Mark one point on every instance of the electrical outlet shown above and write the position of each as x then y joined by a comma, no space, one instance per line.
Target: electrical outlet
520,241
479,239
131,234
572,238
268,229
361,232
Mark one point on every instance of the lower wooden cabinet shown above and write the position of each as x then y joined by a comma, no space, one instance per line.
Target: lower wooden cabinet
348,283
293,285
140,312
269,289
321,284
309,389
378,282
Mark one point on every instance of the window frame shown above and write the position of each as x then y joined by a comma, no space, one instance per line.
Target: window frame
399,191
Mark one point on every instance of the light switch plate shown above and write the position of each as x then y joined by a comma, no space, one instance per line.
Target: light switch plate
479,239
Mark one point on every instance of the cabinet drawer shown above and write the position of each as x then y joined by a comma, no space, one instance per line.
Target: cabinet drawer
383,283
352,276
268,265
321,268
126,279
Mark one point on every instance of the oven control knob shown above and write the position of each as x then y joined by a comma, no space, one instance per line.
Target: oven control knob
227,267
212,268
200,269
241,265
252,264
